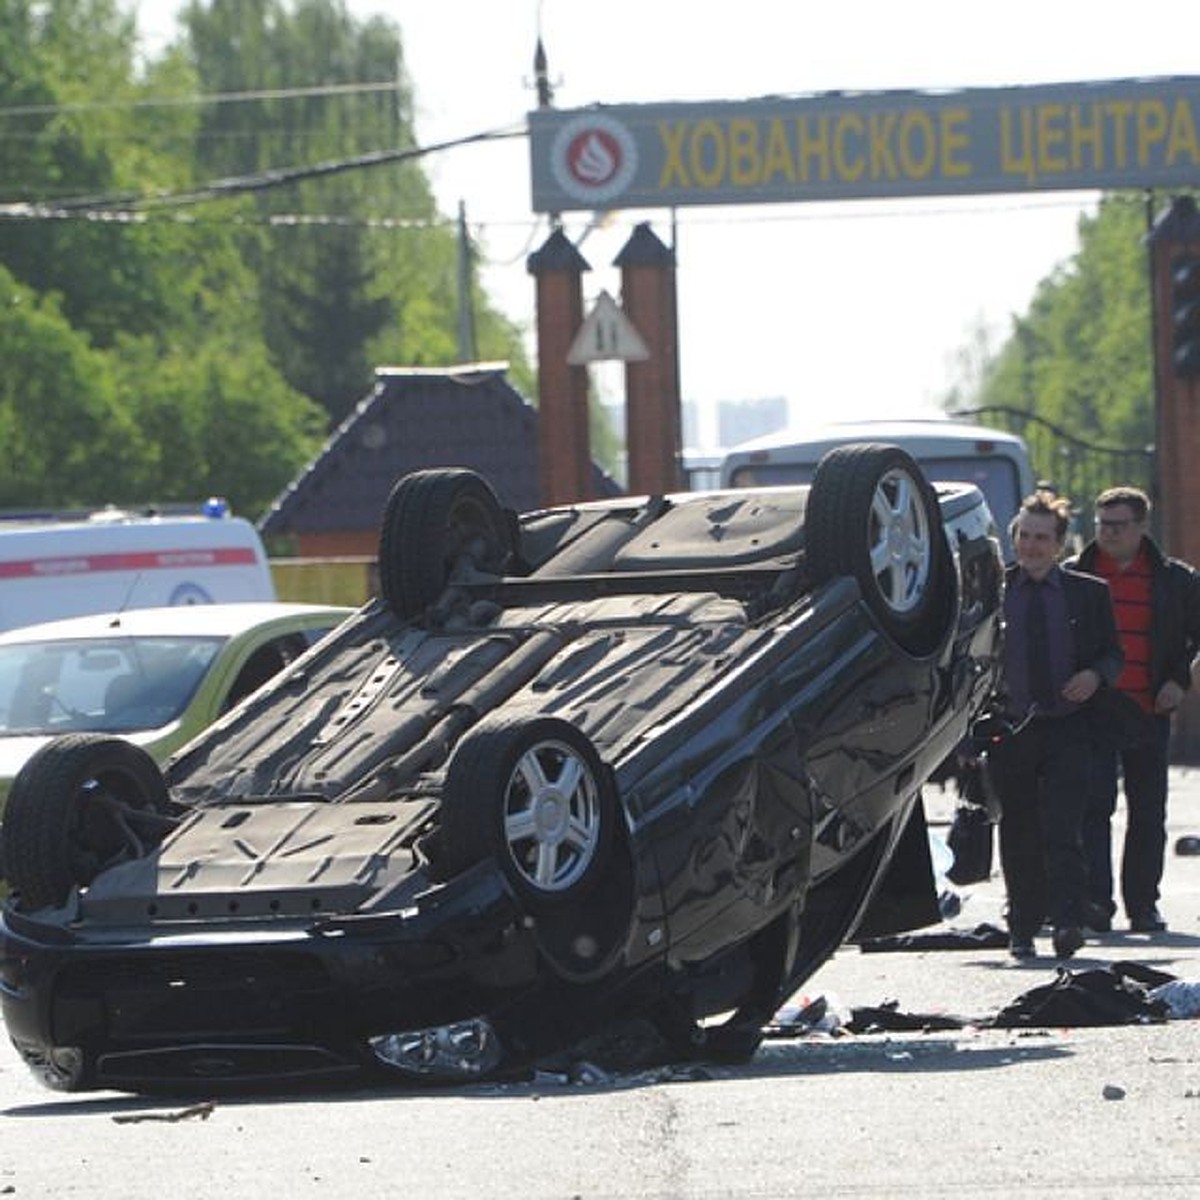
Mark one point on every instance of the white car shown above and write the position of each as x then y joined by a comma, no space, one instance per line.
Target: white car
153,676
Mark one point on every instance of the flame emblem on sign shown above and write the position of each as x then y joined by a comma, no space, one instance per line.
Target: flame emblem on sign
594,158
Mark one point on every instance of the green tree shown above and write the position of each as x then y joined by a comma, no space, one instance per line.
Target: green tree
221,420
74,140
133,366
1082,355
162,337
323,300
330,329
61,416
363,270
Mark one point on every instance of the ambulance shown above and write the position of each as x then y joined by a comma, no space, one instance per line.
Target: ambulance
113,560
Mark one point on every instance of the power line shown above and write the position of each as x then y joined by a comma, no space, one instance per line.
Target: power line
278,178
330,89
112,216
47,211
263,181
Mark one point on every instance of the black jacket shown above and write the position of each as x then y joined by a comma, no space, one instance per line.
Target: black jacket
1175,613
1093,625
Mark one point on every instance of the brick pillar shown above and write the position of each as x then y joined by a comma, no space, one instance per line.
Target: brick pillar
564,449
1178,400
652,401
1177,433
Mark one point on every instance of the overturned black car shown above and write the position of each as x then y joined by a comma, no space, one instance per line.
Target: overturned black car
650,758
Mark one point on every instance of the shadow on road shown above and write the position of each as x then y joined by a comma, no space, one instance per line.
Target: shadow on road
777,1057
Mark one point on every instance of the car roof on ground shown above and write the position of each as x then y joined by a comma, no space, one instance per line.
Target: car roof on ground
199,620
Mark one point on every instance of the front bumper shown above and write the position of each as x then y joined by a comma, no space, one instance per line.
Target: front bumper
165,1008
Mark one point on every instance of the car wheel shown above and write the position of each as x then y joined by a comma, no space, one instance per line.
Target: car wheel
871,514
436,522
82,803
536,796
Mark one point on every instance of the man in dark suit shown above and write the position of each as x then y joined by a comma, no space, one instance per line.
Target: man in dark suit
1060,648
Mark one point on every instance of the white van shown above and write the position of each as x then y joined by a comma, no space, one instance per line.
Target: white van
993,460
114,560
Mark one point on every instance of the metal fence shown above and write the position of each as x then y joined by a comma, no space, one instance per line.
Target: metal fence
1074,467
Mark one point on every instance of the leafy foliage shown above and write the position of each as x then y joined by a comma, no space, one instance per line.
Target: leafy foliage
1076,375
221,421
157,350
111,276
337,298
60,411
1082,356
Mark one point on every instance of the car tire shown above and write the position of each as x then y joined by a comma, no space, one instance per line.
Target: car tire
535,795
81,804
871,514
433,521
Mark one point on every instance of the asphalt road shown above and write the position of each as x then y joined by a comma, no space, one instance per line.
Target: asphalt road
967,1112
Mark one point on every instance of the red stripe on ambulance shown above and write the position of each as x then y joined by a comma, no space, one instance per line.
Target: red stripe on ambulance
151,560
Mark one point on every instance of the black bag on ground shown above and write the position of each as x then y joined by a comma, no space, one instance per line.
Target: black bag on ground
970,841
1115,995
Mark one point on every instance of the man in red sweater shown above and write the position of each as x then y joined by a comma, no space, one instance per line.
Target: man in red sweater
1157,604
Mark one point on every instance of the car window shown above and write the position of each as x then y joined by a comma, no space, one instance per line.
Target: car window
995,476
268,660
773,474
103,684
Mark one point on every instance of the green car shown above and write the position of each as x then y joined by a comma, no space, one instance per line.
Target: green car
153,676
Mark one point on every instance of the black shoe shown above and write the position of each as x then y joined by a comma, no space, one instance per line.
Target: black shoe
1097,918
1147,920
1067,939
1021,947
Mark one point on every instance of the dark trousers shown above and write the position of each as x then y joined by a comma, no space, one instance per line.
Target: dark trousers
1142,764
1041,777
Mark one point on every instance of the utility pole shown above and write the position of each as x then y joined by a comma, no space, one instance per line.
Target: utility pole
468,351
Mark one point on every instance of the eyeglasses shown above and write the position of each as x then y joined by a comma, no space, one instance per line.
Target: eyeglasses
1114,525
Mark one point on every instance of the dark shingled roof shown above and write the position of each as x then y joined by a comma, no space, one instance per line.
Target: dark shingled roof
465,416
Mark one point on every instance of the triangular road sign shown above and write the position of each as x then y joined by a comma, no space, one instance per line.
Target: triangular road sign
607,333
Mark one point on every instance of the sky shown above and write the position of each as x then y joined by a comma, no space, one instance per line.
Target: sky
856,309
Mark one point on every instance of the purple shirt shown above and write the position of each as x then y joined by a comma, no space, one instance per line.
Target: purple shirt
1060,635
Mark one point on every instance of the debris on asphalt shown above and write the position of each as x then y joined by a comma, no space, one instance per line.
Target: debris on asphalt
1123,993
1119,994
1181,998
982,937
798,1018
203,1110
887,1018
